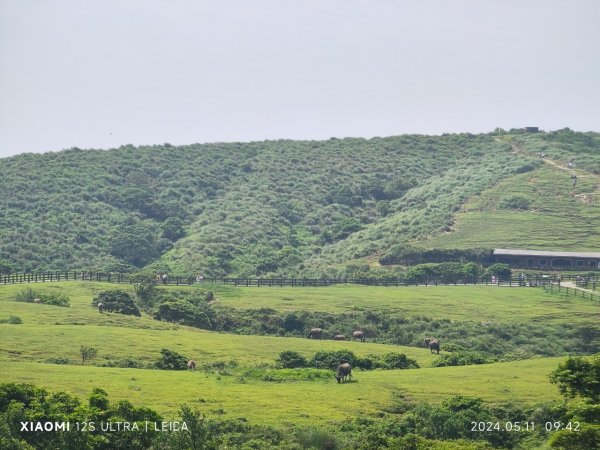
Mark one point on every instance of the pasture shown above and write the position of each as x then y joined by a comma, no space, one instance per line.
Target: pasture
243,390
554,218
307,402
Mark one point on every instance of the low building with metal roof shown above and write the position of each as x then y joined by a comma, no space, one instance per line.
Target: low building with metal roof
542,259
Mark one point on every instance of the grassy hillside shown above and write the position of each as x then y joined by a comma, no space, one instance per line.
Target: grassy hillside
237,208
301,403
295,207
239,387
51,333
555,214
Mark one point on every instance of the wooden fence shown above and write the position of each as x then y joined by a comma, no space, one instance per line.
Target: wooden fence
42,277
569,291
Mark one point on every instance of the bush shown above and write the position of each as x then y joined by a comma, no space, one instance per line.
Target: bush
26,295
500,270
48,298
332,359
196,313
578,376
118,301
126,363
59,360
15,320
171,360
54,298
291,360
397,361
319,439
460,358
515,202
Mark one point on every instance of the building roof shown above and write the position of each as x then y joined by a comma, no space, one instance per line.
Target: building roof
514,252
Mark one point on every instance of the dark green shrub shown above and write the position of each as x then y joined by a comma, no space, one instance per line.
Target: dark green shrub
58,360
171,360
318,438
126,363
15,320
397,361
26,295
48,298
500,270
578,376
291,360
460,358
332,359
195,313
515,202
117,301
54,298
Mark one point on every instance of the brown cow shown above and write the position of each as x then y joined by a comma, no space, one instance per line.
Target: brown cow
191,364
434,344
344,372
358,335
339,337
315,333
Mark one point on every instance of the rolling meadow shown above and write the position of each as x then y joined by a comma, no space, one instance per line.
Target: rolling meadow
237,377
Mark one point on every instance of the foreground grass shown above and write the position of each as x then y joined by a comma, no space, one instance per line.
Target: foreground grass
314,402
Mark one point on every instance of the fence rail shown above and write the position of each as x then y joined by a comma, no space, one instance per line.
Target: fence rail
124,278
557,288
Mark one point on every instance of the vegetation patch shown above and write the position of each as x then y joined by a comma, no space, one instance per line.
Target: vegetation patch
46,297
117,301
171,360
14,320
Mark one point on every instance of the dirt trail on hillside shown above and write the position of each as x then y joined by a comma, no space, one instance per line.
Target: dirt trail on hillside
577,173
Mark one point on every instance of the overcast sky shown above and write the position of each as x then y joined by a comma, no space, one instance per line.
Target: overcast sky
100,74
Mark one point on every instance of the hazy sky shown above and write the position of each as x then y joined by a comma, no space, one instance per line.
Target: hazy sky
100,74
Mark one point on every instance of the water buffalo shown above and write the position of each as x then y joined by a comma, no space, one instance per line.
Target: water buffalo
339,337
315,333
358,335
191,364
434,345
344,372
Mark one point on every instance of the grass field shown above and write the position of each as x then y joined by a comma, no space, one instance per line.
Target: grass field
300,402
476,303
57,332
555,219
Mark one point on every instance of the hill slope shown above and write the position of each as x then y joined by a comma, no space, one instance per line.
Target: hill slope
293,207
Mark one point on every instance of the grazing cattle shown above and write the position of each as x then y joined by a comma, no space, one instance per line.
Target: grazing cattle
339,337
191,364
434,345
344,372
426,342
37,300
315,333
358,335
100,308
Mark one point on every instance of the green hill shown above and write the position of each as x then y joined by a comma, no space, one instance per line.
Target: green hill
293,207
